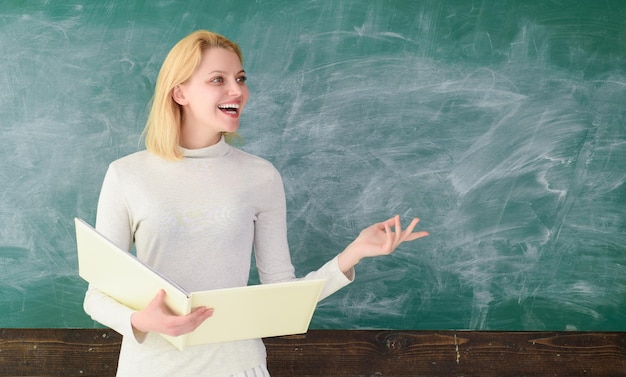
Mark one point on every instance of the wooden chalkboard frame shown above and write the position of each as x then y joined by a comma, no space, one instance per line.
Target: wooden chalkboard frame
94,352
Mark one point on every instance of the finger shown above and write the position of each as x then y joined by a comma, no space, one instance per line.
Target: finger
416,235
199,315
398,231
158,299
388,246
200,311
389,222
409,229
188,323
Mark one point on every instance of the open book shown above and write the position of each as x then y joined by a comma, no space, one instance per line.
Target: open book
240,313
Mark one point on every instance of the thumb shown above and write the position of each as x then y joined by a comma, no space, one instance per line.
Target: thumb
158,299
160,294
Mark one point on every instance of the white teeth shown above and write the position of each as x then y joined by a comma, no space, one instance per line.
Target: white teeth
229,106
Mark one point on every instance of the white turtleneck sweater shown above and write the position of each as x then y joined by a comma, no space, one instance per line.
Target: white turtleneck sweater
196,221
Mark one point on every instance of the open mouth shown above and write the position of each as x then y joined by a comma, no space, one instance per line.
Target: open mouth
229,108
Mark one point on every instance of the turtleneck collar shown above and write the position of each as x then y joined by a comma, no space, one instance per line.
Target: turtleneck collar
213,151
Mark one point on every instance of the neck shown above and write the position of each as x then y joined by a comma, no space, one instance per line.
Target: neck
195,140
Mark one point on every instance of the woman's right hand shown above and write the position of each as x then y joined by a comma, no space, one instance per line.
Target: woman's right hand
158,317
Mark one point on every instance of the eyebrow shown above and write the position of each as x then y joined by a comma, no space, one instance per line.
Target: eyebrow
223,72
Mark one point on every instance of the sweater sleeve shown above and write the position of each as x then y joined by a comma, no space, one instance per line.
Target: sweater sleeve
109,312
335,278
113,222
271,248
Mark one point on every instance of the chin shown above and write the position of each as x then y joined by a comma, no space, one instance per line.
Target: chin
231,129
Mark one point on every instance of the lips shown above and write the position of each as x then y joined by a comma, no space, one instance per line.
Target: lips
229,108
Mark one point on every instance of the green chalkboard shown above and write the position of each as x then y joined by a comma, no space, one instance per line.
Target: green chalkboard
502,124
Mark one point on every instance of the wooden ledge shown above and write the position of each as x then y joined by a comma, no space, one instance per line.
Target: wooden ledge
94,352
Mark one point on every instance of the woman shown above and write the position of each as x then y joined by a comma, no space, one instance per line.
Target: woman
194,207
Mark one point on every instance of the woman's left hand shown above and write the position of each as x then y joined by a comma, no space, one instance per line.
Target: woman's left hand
378,239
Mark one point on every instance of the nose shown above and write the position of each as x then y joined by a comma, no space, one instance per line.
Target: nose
234,88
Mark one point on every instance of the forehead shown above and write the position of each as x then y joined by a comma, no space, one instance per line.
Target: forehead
220,59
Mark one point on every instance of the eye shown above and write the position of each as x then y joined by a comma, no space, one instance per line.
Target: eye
217,80
242,79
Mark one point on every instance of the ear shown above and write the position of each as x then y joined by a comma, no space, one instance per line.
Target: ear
179,96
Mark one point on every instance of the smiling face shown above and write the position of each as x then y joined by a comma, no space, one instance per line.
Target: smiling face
212,99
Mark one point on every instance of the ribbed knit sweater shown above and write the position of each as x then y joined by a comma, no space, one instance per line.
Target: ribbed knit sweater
197,221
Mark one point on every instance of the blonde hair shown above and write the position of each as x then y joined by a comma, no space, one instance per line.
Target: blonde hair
162,131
